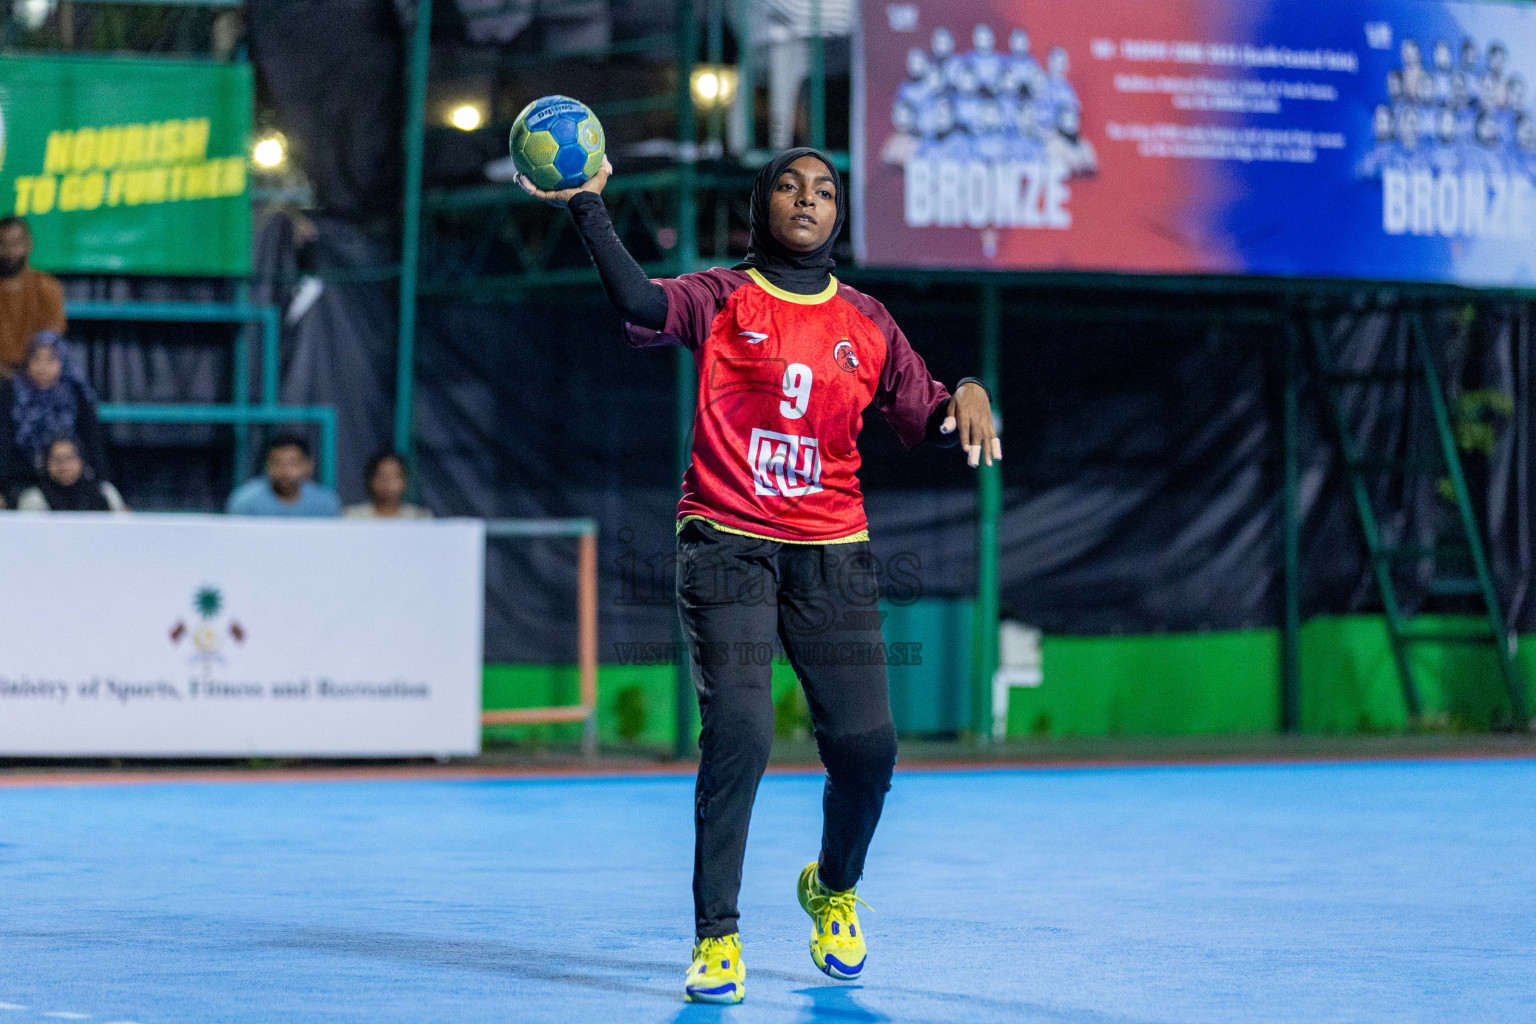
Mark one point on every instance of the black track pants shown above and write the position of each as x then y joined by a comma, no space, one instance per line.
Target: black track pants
736,595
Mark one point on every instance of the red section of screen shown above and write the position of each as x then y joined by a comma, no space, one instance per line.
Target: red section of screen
1133,213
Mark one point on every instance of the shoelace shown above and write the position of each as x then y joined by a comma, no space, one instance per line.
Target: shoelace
840,903
713,949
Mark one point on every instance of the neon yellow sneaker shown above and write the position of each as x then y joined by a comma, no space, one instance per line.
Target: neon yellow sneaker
717,974
837,940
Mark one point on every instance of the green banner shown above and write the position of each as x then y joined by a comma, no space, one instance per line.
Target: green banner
128,166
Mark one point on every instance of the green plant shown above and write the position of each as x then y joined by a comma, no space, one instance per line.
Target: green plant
629,709
1367,726
1475,419
791,715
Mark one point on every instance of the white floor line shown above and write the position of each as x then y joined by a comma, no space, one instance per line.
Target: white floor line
12,1006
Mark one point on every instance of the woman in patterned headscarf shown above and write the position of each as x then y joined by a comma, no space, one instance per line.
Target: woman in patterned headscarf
50,398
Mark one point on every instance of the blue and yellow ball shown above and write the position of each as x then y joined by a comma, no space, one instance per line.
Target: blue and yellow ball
557,143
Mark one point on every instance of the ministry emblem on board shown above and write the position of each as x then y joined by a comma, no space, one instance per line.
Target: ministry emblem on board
209,630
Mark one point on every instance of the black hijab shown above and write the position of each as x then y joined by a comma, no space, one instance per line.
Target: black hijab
84,495
804,273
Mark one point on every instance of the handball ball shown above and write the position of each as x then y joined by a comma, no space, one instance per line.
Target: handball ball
557,143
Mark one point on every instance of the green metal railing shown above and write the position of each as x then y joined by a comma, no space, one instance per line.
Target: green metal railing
410,235
205,313
240,412
323,415
989,512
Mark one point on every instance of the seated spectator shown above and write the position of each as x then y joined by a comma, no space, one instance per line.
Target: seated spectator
287,488
66,484
387,481
30,301
50,398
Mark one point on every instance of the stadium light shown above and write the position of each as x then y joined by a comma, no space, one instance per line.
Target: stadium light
270,152
466,117
32,13
713,86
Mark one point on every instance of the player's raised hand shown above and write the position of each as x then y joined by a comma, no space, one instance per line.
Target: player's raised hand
560,198
970,412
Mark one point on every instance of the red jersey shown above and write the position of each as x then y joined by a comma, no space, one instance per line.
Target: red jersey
784,380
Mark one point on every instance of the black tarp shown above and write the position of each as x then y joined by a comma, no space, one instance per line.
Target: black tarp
1142,430
332,72
1142,479
340,352
160,466
1143,439
339,347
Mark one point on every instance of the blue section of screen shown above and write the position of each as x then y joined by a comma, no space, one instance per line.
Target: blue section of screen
1433,182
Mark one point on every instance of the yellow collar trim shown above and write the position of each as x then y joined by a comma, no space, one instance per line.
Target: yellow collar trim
802,300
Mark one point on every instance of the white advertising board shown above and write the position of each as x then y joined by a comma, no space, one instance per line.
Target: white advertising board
211,636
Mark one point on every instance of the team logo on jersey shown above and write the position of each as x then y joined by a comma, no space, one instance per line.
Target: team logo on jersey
843,355
752,337
784,465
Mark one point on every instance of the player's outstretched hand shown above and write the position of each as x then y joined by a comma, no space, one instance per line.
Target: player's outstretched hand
970,413
560,198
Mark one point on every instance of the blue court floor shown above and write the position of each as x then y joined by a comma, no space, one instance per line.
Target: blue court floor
1390,892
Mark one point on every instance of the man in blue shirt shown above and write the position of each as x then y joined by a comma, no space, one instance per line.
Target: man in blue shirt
287,489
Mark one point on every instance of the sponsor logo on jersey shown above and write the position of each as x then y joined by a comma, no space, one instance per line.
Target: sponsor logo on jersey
844,356
784,465
752,337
